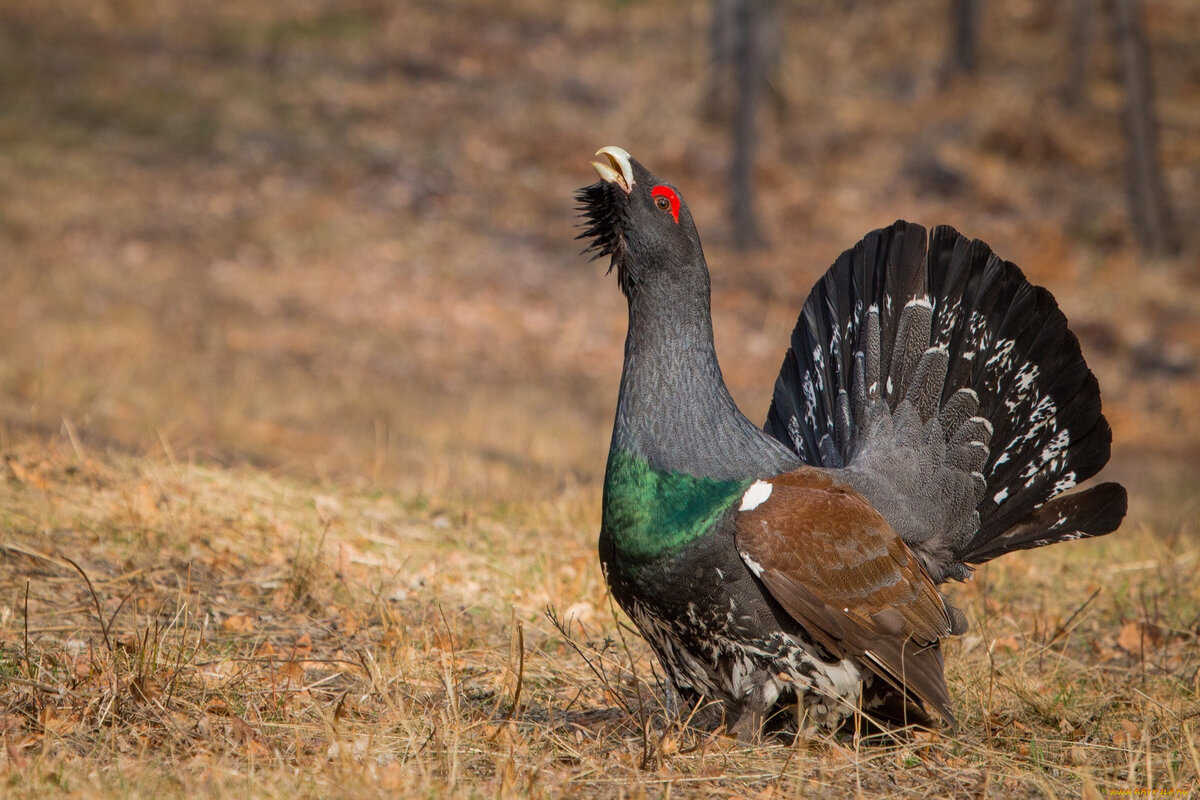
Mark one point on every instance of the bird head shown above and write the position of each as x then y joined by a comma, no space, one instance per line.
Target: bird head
642,222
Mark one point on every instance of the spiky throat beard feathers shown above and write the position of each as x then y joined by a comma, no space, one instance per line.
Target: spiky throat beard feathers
606,213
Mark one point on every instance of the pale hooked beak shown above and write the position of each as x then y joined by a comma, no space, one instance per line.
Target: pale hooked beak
618,170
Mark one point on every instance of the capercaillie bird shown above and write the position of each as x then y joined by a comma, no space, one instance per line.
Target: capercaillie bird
931,411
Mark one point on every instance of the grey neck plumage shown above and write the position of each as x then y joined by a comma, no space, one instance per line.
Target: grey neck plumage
674,409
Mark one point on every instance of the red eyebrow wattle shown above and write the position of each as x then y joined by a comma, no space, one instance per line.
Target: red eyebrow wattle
672,198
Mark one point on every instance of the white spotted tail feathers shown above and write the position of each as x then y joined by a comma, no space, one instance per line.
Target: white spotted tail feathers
949,391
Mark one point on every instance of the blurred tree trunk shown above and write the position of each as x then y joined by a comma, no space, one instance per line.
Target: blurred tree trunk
1080,43
718,90
745,38
747,57
721,85
1149,206
963,53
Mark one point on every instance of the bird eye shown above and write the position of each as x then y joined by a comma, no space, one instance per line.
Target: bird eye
665,199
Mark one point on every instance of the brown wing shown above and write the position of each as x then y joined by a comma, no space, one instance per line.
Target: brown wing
840,570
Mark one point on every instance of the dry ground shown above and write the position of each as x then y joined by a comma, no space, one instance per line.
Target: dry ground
201,632
305,393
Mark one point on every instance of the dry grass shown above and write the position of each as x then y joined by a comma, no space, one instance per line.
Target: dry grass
305,393
192,631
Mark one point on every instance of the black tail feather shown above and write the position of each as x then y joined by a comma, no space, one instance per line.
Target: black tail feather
1091,512
909,362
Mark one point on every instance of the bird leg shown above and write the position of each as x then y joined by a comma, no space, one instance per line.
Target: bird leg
755,706
672,702
748,727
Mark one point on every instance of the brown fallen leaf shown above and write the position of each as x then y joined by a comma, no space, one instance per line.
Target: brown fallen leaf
53,720
248,737
238,623
1127,735
926,737
290,671
1137,637
218,706
82,667
145,689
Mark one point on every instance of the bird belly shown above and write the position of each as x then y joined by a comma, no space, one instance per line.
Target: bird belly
763,675
729,647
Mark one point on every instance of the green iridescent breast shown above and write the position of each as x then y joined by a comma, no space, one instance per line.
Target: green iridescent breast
649,513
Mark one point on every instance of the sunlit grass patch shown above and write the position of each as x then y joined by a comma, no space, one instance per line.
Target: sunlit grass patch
182,628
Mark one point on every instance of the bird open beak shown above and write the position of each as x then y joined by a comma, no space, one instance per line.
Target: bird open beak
618,168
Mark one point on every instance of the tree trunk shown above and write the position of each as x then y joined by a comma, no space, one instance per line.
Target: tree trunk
721,84
1079,46
963,55
1149,206
746,61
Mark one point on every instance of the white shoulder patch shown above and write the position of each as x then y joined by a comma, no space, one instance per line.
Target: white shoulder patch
755,496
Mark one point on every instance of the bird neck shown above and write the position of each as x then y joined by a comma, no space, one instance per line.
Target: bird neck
674,410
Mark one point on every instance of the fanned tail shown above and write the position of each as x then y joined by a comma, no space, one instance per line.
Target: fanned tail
950,392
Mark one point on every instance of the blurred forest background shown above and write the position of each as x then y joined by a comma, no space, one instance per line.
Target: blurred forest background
335,237
305,390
